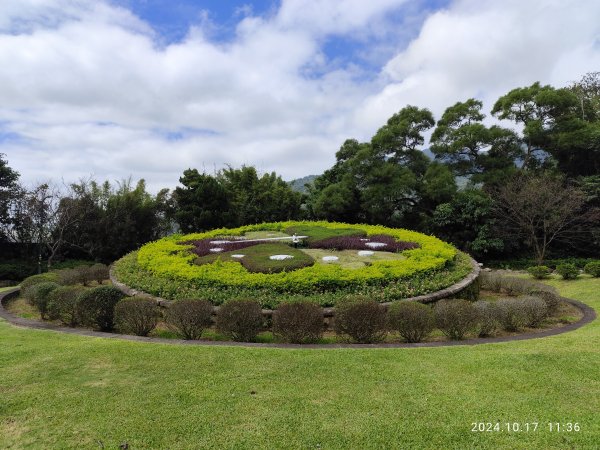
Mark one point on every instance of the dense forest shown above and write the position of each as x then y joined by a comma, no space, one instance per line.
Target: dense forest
530,189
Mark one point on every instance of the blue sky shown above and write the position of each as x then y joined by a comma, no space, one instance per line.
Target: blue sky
149,88
172,19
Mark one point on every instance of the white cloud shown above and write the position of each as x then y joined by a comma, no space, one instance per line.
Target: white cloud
89,88
483,48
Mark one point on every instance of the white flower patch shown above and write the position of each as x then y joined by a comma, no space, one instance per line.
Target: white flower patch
365,253
219,242
280,257
216,249
330,258
375,244
237,256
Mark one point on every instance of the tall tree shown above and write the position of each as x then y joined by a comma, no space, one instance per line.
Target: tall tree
113,220
466,220
255,199
470,148
8,187
398,141
587,91
542,210
541,110
202,203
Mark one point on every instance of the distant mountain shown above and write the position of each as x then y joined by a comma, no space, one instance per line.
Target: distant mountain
298,184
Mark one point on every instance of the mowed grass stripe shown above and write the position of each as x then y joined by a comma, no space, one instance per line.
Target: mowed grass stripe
63,391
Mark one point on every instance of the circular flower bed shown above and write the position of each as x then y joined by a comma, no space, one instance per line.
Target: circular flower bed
403,264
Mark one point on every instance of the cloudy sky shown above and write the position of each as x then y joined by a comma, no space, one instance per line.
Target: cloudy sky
148,88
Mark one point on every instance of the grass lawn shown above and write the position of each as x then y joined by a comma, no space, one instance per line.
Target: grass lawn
61,391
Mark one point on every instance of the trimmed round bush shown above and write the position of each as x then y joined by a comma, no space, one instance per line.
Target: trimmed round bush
137,315
455,318
97,306
491,281
63,304
593,269
515,286
568,271
412,320
189,318
536,311
298,322
362,319
39,294
549,296
513,315
36,279
69,277
241,320
539,272
98,273
488,318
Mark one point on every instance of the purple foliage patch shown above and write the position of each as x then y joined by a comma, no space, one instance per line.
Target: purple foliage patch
203,247
358,243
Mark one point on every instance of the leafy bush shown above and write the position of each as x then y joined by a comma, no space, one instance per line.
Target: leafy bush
488,317
539,272
515,286
551,299
362,319
37,279
241,320
522,264
137,315
491,281
97,307
535,310
63,304
189,317
298,322
455,318
513,315
412,320
39,294
70,277
593,269
98,273
568,271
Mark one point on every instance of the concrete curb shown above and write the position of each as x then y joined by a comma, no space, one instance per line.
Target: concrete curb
589,315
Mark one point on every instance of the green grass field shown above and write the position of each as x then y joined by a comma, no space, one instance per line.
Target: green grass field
64,391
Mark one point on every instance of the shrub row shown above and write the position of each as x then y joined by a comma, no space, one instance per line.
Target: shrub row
362,320
523,264
75,305
512,286
83,275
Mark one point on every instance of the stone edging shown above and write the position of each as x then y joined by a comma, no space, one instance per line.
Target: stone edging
327,312
589,315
